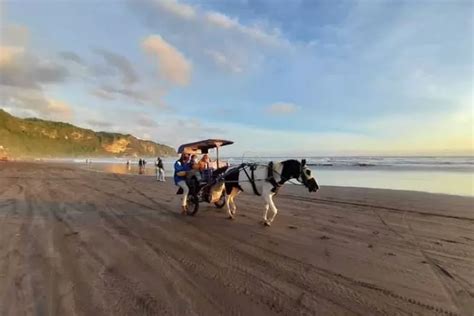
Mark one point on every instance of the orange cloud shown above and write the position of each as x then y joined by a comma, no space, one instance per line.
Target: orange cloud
172,64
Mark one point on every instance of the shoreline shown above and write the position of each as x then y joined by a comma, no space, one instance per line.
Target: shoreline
321,185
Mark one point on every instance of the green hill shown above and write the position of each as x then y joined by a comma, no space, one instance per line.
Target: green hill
33,137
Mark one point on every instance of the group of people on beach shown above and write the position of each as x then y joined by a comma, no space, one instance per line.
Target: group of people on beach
188,165
160,170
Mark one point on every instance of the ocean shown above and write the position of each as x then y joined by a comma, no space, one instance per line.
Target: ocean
447,175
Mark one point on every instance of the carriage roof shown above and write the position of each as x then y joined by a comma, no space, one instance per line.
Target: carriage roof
203,146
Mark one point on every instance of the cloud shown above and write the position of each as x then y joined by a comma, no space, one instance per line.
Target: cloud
98,123
13,34
173,66
147,122
282,108
24,75
102,94
256,33
35,102
221,20
212,19
9,53
174,7
58,108
223,61
20,69
71,56
246,45
120,64
109,92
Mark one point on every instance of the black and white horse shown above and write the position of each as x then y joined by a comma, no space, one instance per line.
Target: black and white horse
265,180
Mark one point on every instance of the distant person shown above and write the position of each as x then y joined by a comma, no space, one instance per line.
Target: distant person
160,171
140,166
128,165
181,168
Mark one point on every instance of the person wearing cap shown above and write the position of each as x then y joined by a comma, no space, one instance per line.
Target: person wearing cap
181,168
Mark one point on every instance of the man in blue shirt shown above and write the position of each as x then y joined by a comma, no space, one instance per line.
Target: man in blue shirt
181,168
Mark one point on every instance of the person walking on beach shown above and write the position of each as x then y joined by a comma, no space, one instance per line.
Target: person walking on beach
181,168
160,171
140,166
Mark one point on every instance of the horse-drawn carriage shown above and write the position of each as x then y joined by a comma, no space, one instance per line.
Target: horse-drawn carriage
207,186
222,184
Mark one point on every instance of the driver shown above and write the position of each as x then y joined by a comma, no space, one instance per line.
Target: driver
181,167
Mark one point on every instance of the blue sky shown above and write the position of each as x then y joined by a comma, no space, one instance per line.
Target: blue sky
278,77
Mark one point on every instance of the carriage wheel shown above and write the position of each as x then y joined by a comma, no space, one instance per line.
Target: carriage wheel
221,202
193,204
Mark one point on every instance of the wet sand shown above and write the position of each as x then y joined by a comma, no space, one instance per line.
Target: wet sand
78,242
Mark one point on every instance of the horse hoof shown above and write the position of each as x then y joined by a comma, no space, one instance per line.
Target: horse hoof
230,217
266,224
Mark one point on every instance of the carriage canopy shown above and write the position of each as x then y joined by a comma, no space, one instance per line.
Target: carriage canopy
203,146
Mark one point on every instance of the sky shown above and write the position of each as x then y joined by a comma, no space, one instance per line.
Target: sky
278,77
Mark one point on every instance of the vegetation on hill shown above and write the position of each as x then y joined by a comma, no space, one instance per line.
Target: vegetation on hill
33,137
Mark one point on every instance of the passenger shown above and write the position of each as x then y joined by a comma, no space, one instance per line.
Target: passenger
203,164
193,162
181,168
204,167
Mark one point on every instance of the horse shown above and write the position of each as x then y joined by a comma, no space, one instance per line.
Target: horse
265,180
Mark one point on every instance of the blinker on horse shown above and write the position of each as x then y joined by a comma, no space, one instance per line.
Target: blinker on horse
265,180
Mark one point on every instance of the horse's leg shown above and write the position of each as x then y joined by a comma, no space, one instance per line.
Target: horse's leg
234,207
230,201
273,207
227,203
265,212
266,194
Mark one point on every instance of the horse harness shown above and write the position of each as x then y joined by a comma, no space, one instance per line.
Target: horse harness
270,177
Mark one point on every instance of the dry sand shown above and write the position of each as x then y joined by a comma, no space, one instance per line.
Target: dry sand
76,242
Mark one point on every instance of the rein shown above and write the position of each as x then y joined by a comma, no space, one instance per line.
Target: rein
252,179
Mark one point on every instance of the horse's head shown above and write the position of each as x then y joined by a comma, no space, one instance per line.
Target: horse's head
307,178
294,169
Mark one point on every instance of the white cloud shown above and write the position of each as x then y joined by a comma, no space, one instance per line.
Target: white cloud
173,66
174,7
282,108
223,61
221,20
246,45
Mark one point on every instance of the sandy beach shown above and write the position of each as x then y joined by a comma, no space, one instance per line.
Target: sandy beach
79,242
